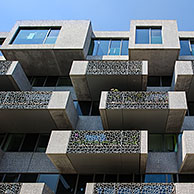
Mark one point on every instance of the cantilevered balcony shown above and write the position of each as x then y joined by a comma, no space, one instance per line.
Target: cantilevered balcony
25,188
156,111
98,188
47,48
89,78
34,111
186,152
183,78
12,76
98,151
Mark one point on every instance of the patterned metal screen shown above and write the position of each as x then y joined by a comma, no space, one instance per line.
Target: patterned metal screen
4,66
10,188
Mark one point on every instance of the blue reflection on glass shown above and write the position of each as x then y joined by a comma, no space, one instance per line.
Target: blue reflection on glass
142,36
185,50
52,37
124,50
155,178
192,48
103,47
115,47
156,37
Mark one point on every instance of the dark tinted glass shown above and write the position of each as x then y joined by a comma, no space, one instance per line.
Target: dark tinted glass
1,177
52,36
115,47
10,178
64,81
28,178
83,179
61,188
13,142
103,47
110,178
93,47
154,81
166,80
51,81
142,36
191,108
170,143
69,183
124,50
99,178
2,136
185,49
38,81
42,142
125,178
29,143
186,178
85,107
156,36
95,109
155,178
137,178
155,143
30,36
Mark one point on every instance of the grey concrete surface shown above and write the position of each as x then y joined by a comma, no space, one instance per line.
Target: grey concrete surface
188,123
161,57
50,59
89,188
111,34
184,188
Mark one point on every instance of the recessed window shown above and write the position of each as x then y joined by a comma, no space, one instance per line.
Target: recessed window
158,178
159,81
190,109
42,142
36,36
148,35
187,47
100,47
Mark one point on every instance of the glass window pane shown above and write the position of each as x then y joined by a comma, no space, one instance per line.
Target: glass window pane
93,47
11,178
124,49
2,136
192,47
125,178
155,143
191,108
83,179
154,81
115,47
50,179
103,47
64,81
142,36
69,183
156,36
33,36
13,142
85,107
110,178
170,143
42,143
28,178
51,81
29,143
166,80
95,109
186,178
38,81
185,50
99,178
155,178
52,36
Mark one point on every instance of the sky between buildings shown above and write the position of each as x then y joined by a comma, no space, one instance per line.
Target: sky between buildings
106,15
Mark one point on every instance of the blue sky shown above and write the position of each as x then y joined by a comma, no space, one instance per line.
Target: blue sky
104,14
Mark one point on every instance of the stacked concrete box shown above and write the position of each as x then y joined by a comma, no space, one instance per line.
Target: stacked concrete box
98,151
37,110
156,111
161,57
50,59
89,78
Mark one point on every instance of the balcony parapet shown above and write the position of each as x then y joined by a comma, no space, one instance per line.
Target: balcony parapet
155,111
12,76
98,151
89,78
37,110
97,188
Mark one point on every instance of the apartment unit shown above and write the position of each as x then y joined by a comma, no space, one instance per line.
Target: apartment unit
96,112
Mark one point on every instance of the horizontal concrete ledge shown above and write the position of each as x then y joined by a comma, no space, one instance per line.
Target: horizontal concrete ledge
184,188
98,151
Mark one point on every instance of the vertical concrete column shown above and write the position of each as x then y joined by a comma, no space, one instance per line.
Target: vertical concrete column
144,75
102,109
144,150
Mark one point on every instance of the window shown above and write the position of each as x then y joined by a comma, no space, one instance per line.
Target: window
187,47
100,47
190,111
83,180
148,35
158,178
42,142
159,81
36,36
162,143
1,42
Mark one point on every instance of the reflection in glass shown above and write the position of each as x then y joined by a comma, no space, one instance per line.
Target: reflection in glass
156,37
142,36
185,49
69,182
42,143
124,49
155,178
52,37
115,47
103,46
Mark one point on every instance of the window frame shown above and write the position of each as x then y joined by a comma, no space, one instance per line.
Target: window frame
190,40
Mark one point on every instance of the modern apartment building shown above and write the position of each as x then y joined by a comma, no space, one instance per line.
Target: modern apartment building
96,112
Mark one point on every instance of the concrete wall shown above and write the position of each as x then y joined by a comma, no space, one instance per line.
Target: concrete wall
184,188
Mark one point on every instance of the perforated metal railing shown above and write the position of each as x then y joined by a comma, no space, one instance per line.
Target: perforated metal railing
104,142
4,66
10,188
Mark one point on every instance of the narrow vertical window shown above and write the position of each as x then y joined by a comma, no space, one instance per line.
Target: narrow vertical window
185,48
156,37
142,36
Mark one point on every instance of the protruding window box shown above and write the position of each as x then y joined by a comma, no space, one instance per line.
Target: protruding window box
98,151
12,77
98,188
36,110
49,47
89,78
24,188
155,111
183,78
156,41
